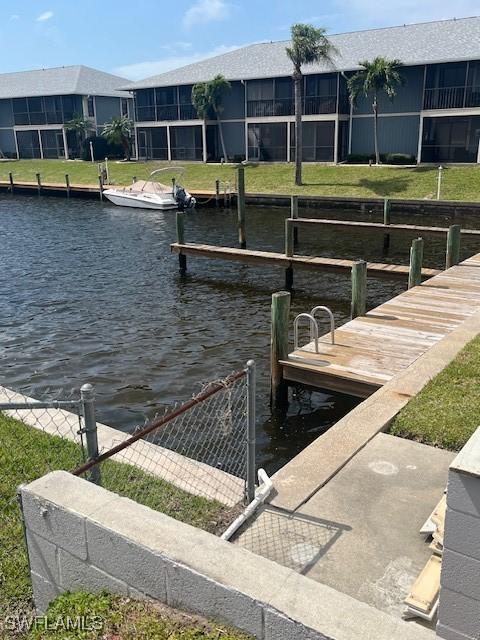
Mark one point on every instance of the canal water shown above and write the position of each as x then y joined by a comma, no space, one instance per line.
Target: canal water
90,292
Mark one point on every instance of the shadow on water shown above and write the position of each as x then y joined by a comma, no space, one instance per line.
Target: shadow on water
90,292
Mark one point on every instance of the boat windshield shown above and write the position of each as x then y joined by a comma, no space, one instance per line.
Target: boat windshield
146,186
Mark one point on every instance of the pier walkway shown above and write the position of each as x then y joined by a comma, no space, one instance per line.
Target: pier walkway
370,350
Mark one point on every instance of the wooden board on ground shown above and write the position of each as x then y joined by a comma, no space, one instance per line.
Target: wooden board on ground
424,593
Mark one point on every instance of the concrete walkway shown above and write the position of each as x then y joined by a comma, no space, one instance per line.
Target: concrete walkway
359,534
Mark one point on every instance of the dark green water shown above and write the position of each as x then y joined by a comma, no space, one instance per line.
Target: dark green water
90,292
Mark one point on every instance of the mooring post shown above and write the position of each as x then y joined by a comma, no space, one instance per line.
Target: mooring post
289,227
279,349
242,238
359,288
217,192
182,258
39,184
134,179
251,435
87,394
386,221
294,215
10,178
100,186
67,184
453,246
416,259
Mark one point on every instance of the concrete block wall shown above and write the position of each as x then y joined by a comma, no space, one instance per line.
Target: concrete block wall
459,608
82,537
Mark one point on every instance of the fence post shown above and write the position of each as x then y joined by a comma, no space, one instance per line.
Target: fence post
67,183
10,178
87,394
294,215
39,184
242,238
251,435
453,246
279,348
416,259
359,288
386,221
182,258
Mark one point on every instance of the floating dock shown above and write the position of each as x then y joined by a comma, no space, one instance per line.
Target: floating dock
371,349
312,263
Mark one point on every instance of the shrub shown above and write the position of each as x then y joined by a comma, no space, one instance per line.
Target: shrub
360,158
101,149
386,158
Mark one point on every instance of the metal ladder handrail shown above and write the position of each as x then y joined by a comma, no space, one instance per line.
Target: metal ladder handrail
332,320
313,329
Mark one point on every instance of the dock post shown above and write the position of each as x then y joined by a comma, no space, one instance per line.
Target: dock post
294,215
242,238
100,187
10,178
416,259
279,349
182,258
67,184
217,192
359,288
289,241
386,221
134,179
39,184
453,246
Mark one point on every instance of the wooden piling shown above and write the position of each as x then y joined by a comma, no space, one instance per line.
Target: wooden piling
289,241
100,187
10,179
294,215
453,246
242,237
386,221
279,349
39,183
182,258
359,289
134,179
67,184
217,192
416,259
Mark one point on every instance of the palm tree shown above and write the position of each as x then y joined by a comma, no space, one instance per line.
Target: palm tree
81,126
380,75
207,98
119,131
308,45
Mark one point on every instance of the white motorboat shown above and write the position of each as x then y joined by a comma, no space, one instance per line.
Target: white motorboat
149,194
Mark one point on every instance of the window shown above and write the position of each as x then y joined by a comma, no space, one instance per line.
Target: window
186,143
124,106
145,104
91,107
451,139
267,141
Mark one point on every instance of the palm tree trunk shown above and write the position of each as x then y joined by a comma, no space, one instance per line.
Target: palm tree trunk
297,83
126,148
375,129
222,141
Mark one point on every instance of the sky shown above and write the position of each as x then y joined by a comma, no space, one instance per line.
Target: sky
140,38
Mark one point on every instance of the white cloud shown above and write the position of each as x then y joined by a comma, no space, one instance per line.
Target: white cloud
46,15
140,70
15,16
203,11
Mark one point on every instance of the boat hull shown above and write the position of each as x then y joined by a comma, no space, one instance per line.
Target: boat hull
140,202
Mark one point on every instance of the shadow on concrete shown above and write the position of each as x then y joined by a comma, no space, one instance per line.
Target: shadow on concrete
292,540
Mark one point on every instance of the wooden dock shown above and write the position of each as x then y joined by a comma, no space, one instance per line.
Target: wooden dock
312,263
371,349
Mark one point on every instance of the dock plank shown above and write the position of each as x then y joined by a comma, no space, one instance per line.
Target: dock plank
370,350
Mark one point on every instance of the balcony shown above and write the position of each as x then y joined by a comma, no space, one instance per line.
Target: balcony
315,105
265,108
188,112
452,98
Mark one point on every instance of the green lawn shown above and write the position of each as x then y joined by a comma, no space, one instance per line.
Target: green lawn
447,411
459,183
27,454
119,618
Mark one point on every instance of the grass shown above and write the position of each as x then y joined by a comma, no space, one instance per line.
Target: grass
119,618
459,183
447,411
27,454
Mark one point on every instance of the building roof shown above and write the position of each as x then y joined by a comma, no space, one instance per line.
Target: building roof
413,44
78,80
